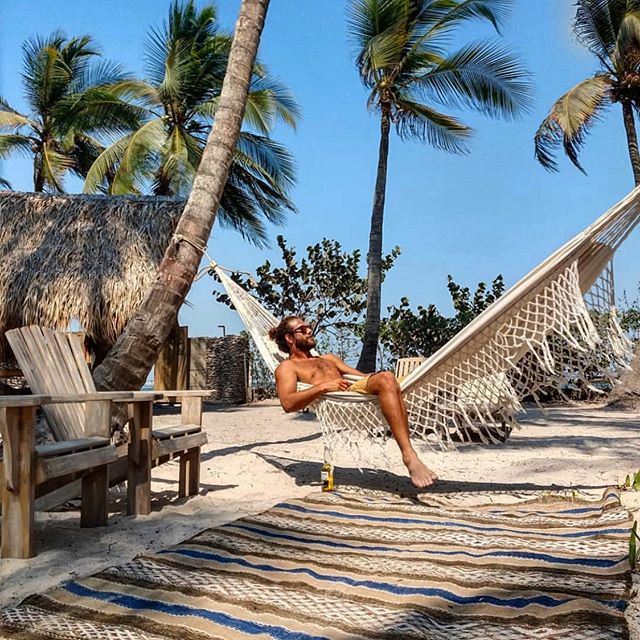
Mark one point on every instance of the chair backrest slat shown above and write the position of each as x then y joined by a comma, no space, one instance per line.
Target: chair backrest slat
404,366
47,359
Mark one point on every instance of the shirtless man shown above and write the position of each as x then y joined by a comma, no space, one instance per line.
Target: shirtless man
295,337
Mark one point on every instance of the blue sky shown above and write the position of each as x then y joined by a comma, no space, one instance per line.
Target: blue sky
493,211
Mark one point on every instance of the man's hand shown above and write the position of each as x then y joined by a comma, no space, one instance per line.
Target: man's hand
337,384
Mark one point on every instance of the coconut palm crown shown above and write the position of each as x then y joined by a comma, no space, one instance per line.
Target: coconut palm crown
185,65
404,55
68,90
610,29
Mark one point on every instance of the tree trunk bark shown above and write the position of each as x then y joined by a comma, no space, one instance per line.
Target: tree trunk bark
368,356
133,355
632,140
626,394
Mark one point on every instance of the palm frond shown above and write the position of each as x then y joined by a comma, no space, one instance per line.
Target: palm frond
125,158
97,109
496,12
102,73
416,121
483,76
14,143
570,119
269,100
594,25
5,184
176,171
367,19
54,166
266,158
626,55
12,119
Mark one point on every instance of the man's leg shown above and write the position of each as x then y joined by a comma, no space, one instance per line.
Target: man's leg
385,386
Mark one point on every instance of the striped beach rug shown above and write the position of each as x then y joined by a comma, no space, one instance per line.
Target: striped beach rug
346,566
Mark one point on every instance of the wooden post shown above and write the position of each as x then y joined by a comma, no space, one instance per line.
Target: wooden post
139,474
94,510
189,479
172,366
18,434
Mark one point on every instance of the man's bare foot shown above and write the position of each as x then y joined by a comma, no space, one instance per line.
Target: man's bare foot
420,474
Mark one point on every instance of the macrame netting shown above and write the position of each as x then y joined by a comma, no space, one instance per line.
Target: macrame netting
555,328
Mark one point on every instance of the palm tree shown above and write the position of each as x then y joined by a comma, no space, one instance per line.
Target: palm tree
610,29
68,92
402,58
186,61
133,355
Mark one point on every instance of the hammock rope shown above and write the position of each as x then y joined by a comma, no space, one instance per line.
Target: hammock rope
556,326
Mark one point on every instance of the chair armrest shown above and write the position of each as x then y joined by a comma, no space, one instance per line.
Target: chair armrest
186,393
23,401
145,396
95,396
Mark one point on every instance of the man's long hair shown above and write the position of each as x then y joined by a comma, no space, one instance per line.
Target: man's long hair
280,332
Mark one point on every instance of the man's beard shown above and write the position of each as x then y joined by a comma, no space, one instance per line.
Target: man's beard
305,343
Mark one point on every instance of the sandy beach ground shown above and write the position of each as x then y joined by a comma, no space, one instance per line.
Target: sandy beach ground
257,456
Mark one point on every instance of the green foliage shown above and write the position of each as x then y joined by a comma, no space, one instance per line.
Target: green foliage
633,546
405,333
610,30
404,61
73,103
324,287
186,61
629,315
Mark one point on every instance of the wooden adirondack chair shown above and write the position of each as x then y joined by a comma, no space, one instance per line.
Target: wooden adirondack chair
54,364
28,471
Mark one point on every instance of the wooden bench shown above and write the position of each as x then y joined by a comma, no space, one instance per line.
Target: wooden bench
54,364
28,471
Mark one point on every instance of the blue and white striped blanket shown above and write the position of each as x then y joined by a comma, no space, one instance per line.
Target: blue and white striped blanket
345,566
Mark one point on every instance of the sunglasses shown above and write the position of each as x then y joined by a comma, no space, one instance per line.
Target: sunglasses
303,328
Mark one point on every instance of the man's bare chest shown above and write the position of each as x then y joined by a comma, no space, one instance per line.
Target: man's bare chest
316,370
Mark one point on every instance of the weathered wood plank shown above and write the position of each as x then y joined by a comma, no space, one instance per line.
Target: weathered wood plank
53,449
189,477
168,447
22,401
58,466
17,500
17,341
177,431
139,475
191,410
94,511
97,418
190,393
81,364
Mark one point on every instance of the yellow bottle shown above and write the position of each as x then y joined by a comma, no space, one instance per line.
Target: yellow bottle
326,474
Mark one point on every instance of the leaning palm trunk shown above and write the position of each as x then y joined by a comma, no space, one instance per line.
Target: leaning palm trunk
133,355
368,355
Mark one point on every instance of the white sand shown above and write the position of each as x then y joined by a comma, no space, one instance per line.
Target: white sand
258,456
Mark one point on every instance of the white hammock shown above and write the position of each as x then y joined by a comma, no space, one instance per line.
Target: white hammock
554,326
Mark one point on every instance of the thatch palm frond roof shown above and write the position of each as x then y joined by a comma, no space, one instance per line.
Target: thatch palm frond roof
84,258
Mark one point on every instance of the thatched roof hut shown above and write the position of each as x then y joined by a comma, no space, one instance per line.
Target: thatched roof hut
75,257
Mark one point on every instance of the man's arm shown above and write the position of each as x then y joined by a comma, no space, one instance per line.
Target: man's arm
293,400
